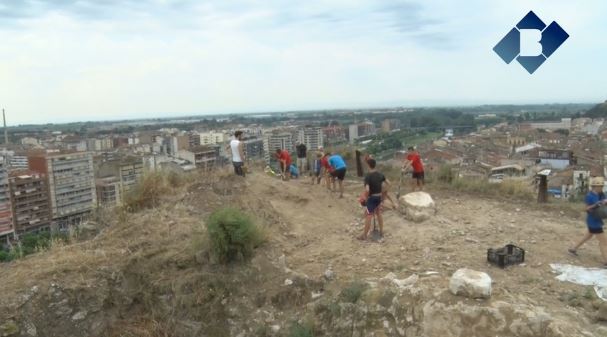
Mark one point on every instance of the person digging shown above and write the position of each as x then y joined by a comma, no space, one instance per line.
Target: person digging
374,182
594,199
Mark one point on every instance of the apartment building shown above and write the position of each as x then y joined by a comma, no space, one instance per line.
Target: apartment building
178,143
71,184
30,201
203,157
6,220
311,137
208,138
127,170
277,140
253,148
108,192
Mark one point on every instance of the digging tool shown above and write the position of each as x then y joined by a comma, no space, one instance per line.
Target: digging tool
400,183
375,235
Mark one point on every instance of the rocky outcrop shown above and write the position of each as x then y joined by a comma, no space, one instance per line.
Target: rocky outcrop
417,206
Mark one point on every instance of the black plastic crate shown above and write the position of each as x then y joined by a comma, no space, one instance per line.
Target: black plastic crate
506,256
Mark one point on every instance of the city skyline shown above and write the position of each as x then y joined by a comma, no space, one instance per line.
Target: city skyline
80,60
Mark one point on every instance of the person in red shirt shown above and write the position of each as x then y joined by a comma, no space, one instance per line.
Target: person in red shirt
327,169
414,161
284,159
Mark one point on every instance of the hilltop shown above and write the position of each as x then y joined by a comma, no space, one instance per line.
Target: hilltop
599,110
151,274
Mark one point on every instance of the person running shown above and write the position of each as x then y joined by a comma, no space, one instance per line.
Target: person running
339,172
327,169
594,199
414,161
302,157
238,157
374,185
284,160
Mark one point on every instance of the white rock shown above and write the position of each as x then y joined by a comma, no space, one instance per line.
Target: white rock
275,328
288,282
80,315
329,274
417,206
470,283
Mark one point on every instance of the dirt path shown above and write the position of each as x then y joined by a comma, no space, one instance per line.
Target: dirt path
320,231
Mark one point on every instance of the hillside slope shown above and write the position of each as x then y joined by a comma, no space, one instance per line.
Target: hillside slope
150,273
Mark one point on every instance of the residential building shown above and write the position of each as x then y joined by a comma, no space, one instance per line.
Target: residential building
194,139
202,156
390,124
253,148
208,138
277,140
556,159
71,184
30,201
17,161
6,220
565,123
334,134
29,141
108,191
96,144
353,132
74,143
178,143
127,170
312,137
121,142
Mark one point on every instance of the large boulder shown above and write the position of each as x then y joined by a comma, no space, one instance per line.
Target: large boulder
470,283
417,206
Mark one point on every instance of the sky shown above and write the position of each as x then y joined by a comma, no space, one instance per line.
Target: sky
76,60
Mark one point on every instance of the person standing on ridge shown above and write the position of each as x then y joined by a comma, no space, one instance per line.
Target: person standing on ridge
284,160
594,199
238,157
414,161
374,185
302,158
338,165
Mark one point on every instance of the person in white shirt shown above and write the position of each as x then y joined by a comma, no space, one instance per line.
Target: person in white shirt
237,149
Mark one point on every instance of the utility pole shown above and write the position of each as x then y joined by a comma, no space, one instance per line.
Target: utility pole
5,130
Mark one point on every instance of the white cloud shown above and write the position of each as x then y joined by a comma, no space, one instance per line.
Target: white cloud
156,58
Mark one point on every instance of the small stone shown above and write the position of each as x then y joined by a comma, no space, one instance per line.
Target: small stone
275,328
80,315
329,274
288,282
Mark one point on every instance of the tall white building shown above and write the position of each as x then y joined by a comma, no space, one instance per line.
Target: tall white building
352,132
209,138
273,141
311,137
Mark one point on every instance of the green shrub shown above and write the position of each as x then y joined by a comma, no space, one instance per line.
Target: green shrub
298,330
353,291
232,235
6,256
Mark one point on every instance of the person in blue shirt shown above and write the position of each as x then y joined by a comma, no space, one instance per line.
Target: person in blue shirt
294,171
595,198
339,172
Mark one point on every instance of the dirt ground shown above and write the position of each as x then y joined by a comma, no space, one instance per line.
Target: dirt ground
322,228
313,229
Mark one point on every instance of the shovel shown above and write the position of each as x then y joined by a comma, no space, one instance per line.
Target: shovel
375,235
400,183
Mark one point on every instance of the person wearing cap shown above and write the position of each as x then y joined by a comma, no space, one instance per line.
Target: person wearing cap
594,199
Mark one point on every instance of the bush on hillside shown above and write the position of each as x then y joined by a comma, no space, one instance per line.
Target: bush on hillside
232,235
147,192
